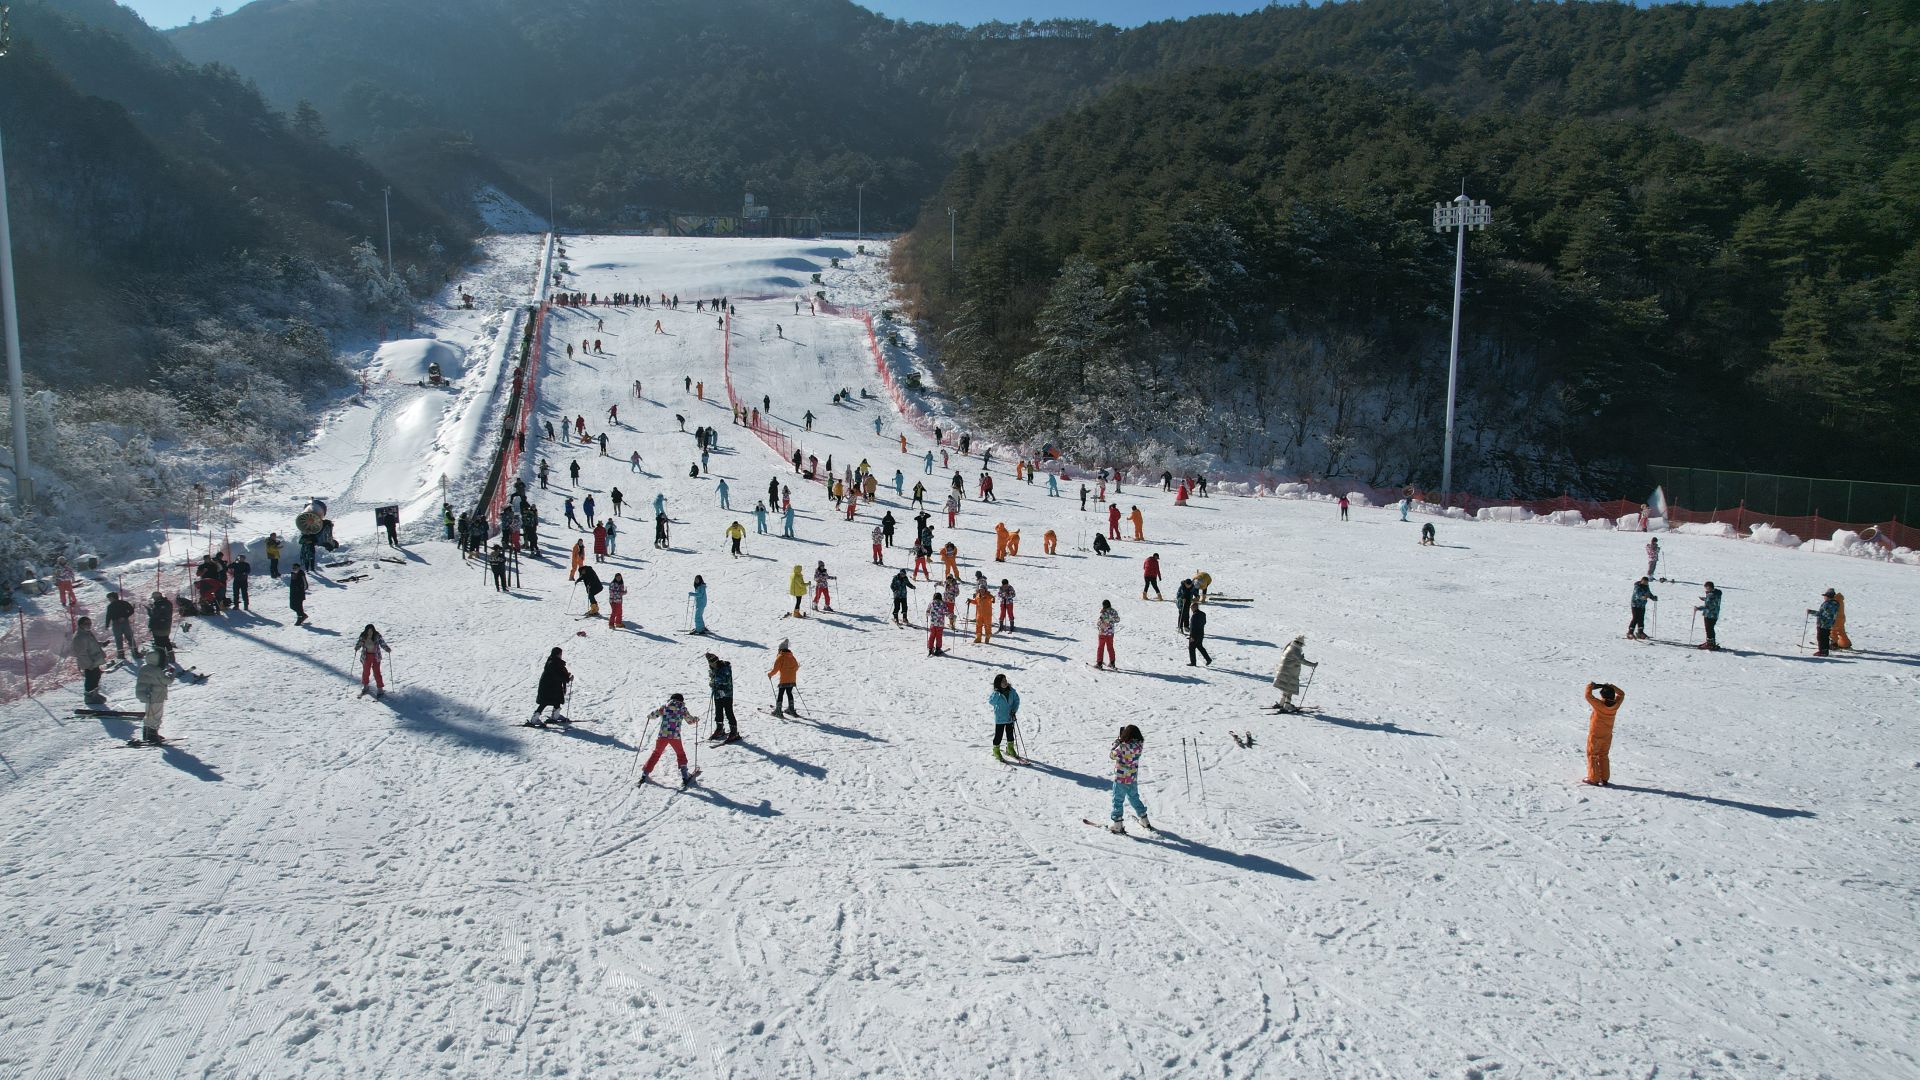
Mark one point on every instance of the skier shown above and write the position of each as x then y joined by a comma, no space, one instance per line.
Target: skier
618,498
1406,504
1104,626
273,555
722,489
953,510
660,529
590,581
1343,508
1426,535
899,585
1150,575
787,669
1049,542
820,589
576,560
922,550
1083,498
599,542
368,648
119,618
150,688
1005,701
797,588
1113,521
543,474
951,592
809,419
554,680
296,597
1053,485
699,598
89,655
616,602
1180,497
1125,756
1823,617
1637,625
879,537
1653,554
1287,679
1840,639
1197,637
613,414
573,470
950,557
1006,605
1166,480
1709,609
671,716
726,727
160,618
1184,597
1139,524
1202,584
63,582
1606,700
982,616
497,565
786,519
633,465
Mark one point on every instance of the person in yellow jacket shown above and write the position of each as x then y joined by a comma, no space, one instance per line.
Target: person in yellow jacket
736,532
578,559
1839,639
1139,524
1606,700
982,616
1203,581
797,588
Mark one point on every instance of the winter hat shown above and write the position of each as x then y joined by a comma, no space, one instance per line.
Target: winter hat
783,644
1829,592
677,697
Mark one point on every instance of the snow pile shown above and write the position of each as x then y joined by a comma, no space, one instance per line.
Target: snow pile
1358,499
1504,513
1720,529
1567,517
1764,533
406,360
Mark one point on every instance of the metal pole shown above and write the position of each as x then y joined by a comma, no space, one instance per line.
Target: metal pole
1453,357
953,249
386,201
860,214
10,315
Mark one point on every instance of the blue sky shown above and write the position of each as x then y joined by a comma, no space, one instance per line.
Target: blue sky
169,13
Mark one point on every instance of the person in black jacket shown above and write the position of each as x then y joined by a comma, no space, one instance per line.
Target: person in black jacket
1197,636
590,581
720,682
297,594
119,617
160,618
554,680
240,571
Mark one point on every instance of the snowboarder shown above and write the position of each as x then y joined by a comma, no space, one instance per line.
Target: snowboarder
1104,626
1150,577
787,671
1709,609
1125,756
296,596
1606,700
150,688
368,648
1637,625
552,692
89,655
1287,679
699,598
1005,701
1197,637
671,716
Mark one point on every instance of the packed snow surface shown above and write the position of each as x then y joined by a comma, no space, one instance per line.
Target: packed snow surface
1408,880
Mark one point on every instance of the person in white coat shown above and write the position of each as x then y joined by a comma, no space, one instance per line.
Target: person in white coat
1287,679
89,655
151,688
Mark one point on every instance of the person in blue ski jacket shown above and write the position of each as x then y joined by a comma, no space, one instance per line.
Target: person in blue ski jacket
1709,609
659,504
929,461
699,596
1053,485
726,727
1006,712
1642,592
721,489
760,518
786,522
1823,617
899,483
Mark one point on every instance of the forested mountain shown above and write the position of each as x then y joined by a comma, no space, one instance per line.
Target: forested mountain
1239,262
184,253
677,102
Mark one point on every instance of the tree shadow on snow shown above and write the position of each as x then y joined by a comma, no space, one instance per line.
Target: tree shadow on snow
1259,864
1732,804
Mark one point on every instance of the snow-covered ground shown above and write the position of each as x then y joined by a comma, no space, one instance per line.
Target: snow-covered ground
1408,881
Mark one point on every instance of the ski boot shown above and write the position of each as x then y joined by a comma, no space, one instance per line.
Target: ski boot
1117,827
1144,823
152,737
996,753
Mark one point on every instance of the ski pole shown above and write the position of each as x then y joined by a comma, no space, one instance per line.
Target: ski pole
1302,703
1695,618
1804,620
1656,618
1185,770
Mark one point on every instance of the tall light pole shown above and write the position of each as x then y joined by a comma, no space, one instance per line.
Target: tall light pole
953,248
550,227
860,215
10,315
1460,215
386,202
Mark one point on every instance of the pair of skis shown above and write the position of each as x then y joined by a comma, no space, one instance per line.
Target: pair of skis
1123,832
690,780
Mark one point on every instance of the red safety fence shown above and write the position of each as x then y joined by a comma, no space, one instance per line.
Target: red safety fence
36,649
758,423
524,397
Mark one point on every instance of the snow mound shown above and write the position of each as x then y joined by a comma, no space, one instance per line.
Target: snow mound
501,212
1358,498
406,360
1709,528
1567,517
1767,534
1504,513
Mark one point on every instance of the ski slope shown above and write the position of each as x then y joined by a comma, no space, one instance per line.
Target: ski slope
1407,881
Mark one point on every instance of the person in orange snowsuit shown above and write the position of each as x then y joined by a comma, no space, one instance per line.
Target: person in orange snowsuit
1839,639
1139,524
1049,541
950,555
1606,700
1000,542
982,616
578,560
1013,543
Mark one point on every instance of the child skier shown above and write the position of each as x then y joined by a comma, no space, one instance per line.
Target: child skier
1104,626
1005,701
1126,778
787,668
820,589
369,647
1709,609
671,716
